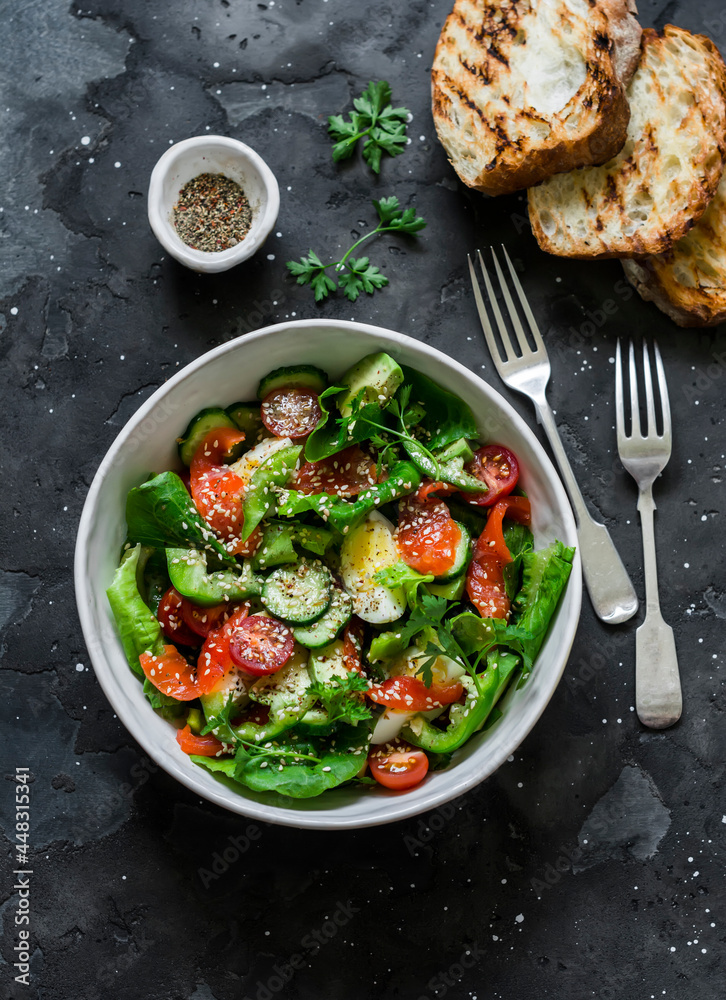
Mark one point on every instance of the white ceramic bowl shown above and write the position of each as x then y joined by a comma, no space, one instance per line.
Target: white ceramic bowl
215,154
148,444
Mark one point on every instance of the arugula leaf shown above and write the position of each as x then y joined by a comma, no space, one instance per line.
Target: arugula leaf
447,418
382,126
306,779
339,698
161,513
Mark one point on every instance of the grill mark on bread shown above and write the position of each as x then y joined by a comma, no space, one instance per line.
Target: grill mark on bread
655,190
483,45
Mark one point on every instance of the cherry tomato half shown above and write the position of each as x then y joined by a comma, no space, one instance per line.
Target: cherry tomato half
171,618
496,466
261,645
215,660
170,674
344,474
202,746
202,621
217,491
290,413
410,694
397,765
427,535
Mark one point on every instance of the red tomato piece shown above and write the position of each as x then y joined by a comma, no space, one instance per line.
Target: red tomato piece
496,466
171,674
215,660
261,645
428,486
290,413
202,621
202,746
485,587
171,617
344,474
218,491
485,577
398,765
353,645
427,535
410,694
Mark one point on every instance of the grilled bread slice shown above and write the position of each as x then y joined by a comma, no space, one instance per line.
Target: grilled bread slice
522,89
689,282
658,186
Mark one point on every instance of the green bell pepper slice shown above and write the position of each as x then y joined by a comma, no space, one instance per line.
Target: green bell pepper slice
276,547
189,575
465,720
138,629
260,499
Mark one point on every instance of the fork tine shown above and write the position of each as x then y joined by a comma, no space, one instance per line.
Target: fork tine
539,343
513,315
649,400
483,315
663,389
503,332
634,405
619,407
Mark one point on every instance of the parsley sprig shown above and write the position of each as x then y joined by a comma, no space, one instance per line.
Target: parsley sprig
429,618
356,274
339,697
383,127
400,408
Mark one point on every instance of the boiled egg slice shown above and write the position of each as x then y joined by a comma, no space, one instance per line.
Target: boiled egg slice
368,548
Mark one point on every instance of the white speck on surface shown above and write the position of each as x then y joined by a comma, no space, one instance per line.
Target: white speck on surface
117,164
519,918
85,140
14,311
79,667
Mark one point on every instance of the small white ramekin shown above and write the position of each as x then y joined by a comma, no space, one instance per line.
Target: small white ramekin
212,154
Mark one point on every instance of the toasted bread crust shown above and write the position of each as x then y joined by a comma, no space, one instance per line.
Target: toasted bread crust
626,33
689,282
659,185
496,140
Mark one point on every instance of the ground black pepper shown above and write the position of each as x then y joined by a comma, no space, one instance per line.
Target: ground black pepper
212,213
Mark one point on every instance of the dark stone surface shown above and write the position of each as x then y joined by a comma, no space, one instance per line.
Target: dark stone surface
591,865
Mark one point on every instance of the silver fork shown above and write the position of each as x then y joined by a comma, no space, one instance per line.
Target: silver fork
658,698
611,592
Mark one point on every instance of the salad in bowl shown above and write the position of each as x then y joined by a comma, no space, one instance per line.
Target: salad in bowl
337,583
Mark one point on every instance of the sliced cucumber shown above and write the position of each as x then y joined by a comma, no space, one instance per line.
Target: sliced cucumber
204,422
457,449
298,594
248,418
452,590
293,377
189,575
326,628
463,555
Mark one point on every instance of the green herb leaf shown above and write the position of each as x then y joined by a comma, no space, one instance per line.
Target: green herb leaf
359,275
340,697
382,126
311,271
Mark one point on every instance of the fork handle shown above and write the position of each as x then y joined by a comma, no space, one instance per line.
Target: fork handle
658,697
608,584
